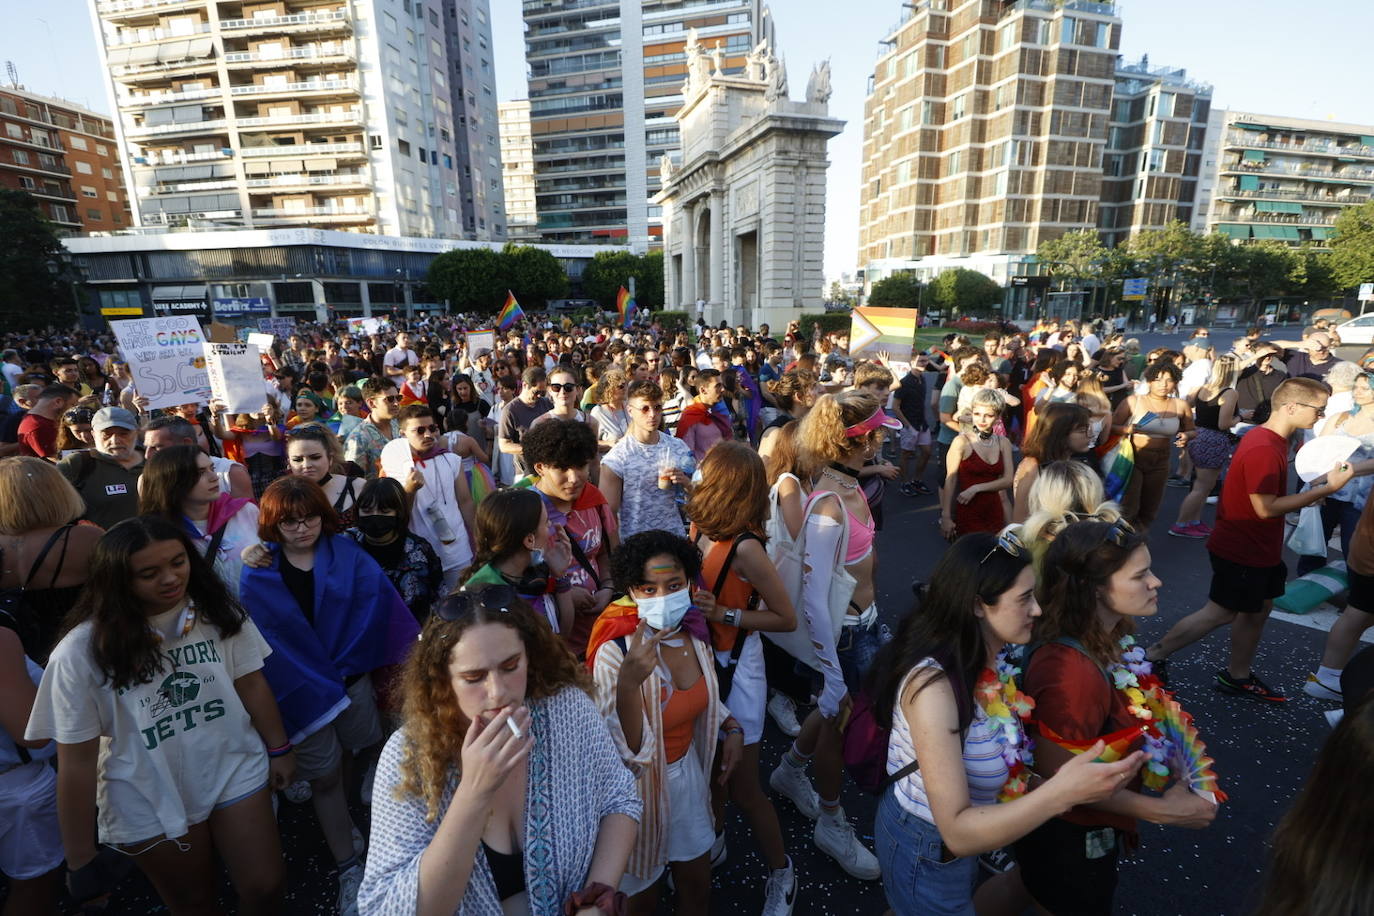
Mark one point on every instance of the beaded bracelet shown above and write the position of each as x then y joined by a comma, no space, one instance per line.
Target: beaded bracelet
282,751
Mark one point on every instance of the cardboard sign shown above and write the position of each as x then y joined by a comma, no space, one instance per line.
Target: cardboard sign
480,340
281,327
235,371
167,359
262,341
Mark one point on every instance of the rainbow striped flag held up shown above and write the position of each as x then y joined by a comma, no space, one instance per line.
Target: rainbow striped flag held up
625,306
510,312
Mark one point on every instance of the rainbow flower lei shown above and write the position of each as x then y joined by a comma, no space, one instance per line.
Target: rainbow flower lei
1172,745
1008,709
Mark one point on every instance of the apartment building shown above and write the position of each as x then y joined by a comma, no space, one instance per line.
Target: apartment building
265,113
1155,143
517,161
984,132
1285,179
605,79
66,157
472,82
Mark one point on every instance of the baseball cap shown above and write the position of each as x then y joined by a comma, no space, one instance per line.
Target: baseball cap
107,417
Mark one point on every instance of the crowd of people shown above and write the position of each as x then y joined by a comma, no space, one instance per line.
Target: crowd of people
532,608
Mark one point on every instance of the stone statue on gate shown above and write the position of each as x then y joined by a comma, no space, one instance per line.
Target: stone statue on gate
818,89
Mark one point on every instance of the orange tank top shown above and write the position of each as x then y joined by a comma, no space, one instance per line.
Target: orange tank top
680,718
733,592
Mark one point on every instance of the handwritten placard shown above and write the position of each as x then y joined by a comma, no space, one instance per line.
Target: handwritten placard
167,359
236,376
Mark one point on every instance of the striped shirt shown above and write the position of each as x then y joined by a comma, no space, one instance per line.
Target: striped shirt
982,757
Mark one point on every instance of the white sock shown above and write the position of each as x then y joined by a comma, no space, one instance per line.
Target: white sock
1330,677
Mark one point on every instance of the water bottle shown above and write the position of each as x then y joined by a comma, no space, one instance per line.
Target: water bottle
440,524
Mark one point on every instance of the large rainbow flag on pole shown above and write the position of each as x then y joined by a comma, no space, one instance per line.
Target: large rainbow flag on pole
625,306
510,312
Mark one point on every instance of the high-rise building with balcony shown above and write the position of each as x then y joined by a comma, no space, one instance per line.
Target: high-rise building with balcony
517,161
605,79
267,113
1155,144
65,157
984,131
1284,178
477,153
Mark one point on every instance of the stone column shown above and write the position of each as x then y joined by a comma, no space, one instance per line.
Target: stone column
717,301
689,261
367,299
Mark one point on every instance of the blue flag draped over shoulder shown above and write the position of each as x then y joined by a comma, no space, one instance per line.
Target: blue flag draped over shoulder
361,624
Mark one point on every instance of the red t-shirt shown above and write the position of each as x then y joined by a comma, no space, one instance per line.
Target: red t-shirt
37,437
1260,465
1073,700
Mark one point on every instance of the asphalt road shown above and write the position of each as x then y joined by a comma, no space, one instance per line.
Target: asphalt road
1263,753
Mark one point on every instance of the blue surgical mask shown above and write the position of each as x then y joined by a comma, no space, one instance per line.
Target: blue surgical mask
665,612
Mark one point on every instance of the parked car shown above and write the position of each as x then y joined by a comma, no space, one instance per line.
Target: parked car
560,306
1357,330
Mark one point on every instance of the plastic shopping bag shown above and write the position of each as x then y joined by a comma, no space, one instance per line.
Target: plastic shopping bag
1308,539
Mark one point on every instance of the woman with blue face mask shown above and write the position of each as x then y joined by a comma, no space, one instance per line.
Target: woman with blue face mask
516,547
650,656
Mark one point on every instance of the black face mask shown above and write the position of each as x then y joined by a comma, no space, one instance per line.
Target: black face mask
378,526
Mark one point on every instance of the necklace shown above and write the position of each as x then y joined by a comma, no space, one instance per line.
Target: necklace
1008,709
840,481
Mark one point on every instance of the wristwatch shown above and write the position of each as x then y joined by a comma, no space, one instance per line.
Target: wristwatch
732,616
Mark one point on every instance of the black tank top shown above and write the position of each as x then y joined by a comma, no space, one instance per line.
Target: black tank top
507,871
1208,413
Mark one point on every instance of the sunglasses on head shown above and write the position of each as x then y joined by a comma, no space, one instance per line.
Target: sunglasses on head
1009,542
490,598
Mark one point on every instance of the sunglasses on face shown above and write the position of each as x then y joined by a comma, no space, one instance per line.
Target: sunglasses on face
569,387
490,598
421,430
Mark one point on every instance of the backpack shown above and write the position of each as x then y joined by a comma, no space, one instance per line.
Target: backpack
865,749
16,613
788,555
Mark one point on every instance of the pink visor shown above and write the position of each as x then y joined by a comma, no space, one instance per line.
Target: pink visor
867,426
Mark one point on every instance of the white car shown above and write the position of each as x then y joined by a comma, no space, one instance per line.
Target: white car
1357,330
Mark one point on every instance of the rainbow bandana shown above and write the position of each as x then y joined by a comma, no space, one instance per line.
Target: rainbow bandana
879,418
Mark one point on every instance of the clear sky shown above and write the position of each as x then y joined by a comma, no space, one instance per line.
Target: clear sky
1270,56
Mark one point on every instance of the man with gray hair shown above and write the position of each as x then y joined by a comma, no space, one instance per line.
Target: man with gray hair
165,432
107,475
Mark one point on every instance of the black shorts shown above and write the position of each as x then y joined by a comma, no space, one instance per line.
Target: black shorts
1360,593
941,452
1245,589
1070,869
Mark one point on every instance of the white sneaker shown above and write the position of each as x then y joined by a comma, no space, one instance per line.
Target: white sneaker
781,891
359,843
299,792
835,837
349,880
784,713
718,851
791,782
1315,688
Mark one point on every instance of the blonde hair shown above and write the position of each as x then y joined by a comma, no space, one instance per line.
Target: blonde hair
822,434
983,397
609,380
1089,394
34,495
1065,492
872,373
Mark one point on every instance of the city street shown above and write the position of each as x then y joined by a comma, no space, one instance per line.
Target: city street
1263,753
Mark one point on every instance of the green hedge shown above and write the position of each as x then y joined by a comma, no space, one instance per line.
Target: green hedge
829,321
672,320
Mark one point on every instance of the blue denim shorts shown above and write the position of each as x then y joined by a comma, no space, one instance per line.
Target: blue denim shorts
916,880
857,647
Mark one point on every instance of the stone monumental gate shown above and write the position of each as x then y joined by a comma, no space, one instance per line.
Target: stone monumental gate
744,212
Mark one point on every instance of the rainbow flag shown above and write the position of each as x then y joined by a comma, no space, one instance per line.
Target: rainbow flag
510,312
882,330
625,306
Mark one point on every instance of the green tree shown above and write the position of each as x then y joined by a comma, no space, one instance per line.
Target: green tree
535,275
960,291
35,276
899,291
610,270
1171,257
839,295
471,279
1311,275
1077,254
1264,269
1352,247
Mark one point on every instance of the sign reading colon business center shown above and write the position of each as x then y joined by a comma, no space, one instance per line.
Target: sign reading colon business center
167,359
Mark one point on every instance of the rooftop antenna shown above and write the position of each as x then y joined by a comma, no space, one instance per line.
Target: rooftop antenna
12,72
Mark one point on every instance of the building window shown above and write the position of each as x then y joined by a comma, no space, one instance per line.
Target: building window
88,191
403,146
957,108
107,174
94,215
112,196
374,141
1104,35
27,183
956,162
20,157
927,113
15,131
102,150
1068,31
84,167
78,143
970,44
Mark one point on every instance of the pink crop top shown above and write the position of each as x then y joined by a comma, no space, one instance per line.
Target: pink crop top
860,538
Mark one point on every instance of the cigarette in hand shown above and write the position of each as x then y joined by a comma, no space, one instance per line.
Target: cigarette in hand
514,729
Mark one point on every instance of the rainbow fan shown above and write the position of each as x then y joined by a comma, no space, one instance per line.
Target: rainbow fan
1188,759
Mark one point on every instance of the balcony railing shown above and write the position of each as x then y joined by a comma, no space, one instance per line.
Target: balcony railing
306,86
328,18
146,36
353,116
132,6
1306,196
191,187
1290,219
53,169
1251,141
305,149
155,160
277,181
184,127
318,213
311,53
163,98
1364,176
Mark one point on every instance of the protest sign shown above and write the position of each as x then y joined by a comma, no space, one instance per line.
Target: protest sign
262,341
282,327
874,330
235,371
480,340
167,359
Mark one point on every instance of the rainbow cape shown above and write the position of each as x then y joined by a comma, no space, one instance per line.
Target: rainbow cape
510,312
625,306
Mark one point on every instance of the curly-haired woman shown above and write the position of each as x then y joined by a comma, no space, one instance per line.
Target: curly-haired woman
502,790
